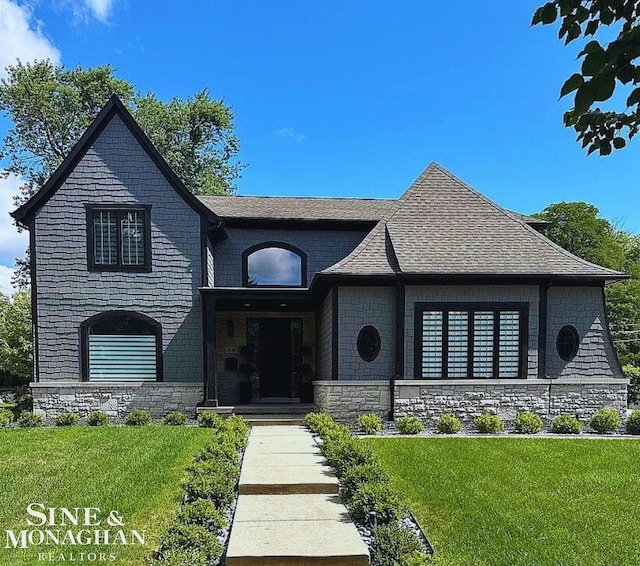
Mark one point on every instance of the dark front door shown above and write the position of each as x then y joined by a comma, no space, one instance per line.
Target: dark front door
274,358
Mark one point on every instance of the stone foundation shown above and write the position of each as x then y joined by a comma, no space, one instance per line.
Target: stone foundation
115,399
470,398
347,400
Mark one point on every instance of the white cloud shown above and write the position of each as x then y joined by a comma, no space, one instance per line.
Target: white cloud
291,134
12,242
21,37
100,8
6,273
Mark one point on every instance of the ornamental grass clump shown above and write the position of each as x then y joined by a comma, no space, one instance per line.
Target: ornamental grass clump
138,417
605,420
98,418
633,423
66,419
370,423
566,424
448,424
30,420
174,418
488,423
528,423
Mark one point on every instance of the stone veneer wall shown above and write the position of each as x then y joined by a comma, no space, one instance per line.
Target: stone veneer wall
347,400
115,399
470,398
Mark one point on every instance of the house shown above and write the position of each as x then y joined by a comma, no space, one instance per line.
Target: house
146,296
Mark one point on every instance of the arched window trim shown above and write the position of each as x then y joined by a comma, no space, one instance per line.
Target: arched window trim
86,326
273,244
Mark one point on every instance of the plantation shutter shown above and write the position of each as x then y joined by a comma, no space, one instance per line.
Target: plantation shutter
122,357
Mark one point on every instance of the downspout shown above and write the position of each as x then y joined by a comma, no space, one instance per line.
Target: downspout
399,346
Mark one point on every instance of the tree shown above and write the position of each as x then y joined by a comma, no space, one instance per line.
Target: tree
604,67
50,107
16,346
576,227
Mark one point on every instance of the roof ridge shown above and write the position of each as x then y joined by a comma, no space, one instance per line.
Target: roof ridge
526,226
375,199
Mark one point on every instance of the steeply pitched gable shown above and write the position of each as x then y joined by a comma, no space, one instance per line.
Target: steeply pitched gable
442,226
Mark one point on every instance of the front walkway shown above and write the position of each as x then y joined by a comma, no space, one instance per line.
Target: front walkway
289,512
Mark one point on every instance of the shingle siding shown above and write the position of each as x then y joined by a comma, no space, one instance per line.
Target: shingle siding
323,248
325,325
116,170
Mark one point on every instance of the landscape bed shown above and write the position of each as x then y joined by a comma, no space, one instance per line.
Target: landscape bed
136,471
506,501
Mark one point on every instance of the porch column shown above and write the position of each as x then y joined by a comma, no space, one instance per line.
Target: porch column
211,385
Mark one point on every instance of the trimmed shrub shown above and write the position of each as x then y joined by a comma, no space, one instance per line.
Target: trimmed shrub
209,419
394,545
30,420
221,449
566,424
448,424
488,423
238,429
605,420
357,476
377,504
633,423
370,423
6,418
346,452
181,538
174,418
182,557
409,425
204,513
66,419
213,480
138,417
318,422
528,423
98,418
632,373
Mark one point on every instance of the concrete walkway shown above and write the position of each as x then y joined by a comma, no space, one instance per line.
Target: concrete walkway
288,511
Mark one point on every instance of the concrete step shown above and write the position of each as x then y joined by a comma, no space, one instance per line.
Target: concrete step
294,530
262,409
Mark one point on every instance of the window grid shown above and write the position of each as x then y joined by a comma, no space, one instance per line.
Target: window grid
119,238
105,230
132,238
471,342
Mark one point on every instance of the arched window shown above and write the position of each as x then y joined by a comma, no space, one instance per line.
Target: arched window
121,346
274,264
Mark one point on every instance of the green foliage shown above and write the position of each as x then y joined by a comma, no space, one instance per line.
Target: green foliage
209,419
604,68
30,420
528,423
605,420
221,448
66,419
193,538
237,429
377,503
395,546
343,452
409,425
182,557
318,422
203,512
16,343
138,417
174,418
6,418
97,418
214,480
449,424
488,423
370,423
623,309
357,476
633,423
566,424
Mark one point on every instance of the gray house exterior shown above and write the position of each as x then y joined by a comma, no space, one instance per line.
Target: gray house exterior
439,301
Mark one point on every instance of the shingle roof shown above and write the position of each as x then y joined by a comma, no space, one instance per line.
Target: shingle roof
298,208
442,226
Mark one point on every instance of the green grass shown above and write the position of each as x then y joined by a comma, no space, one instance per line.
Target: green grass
136,471
521,502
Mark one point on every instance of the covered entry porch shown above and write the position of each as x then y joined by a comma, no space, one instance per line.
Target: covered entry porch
260,346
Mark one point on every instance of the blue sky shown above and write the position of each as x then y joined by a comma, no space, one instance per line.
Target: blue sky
354,98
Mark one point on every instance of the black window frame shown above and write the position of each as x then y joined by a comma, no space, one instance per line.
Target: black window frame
366,332
274,244
471,308
120,209
85,332
575,336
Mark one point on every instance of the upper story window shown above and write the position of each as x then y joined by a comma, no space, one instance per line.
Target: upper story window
119,238
274,264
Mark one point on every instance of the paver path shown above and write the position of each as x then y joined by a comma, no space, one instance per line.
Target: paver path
288,511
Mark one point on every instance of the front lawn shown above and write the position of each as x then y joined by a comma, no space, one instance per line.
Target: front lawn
134,471
521,502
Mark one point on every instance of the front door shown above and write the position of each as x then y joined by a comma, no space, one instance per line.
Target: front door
276,343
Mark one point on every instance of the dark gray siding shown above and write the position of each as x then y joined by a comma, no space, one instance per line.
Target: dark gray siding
116,170
325,326
323,248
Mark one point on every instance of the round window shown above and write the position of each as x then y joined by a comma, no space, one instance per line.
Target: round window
567,342
369,343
